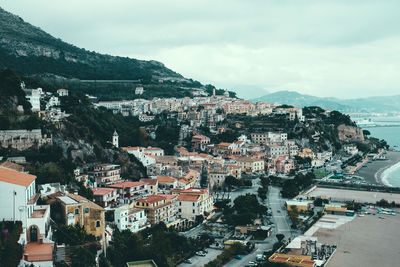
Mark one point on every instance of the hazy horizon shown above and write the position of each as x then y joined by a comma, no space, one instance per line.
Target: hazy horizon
343,49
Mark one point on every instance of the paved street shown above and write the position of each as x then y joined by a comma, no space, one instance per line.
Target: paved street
199,261
279,214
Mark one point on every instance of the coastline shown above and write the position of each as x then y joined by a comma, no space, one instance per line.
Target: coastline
373,171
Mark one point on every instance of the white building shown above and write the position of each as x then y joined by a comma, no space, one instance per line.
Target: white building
18,203
33,96
146,156
194,202
139,90
115,138
62,92
130,218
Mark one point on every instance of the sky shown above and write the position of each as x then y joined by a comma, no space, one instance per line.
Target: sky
341,48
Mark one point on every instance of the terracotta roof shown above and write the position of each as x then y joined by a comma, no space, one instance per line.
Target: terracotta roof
127,184
224,144
81,199
15,177
184,181
101,191
13,166
191,198
195,190
130,148
149,181
35,252
152,199
165,179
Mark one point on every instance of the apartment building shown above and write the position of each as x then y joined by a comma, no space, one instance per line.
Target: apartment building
129,191
194,202
130,218
105,197
251,165
200,142
159,208
104,174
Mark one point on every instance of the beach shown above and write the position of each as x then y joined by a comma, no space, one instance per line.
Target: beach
372,173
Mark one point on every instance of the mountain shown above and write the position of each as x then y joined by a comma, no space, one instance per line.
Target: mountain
48,62
380,104
29,50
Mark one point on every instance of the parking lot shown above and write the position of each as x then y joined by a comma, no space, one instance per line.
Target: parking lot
198,261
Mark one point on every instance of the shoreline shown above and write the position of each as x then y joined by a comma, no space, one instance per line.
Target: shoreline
382,179
373,172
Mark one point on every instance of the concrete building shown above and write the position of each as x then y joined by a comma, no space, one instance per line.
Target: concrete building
23,139
105,173
129,191
200,142
105,197
159,208
115,139
79,210
62,92
194,202
130,218
251,165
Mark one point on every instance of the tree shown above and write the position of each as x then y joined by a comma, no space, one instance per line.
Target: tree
280,237
83,257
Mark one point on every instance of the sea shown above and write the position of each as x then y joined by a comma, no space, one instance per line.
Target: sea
387,128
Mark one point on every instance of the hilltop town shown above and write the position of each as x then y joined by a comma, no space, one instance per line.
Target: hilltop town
215,173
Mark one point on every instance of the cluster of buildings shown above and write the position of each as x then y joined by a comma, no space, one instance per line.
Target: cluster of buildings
50,101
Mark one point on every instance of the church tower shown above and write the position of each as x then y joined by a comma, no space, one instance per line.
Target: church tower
115,139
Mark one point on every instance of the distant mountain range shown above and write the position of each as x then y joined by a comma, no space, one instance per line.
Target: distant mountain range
380,104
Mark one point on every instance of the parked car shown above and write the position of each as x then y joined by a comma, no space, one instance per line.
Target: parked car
188,261
201,253
238,257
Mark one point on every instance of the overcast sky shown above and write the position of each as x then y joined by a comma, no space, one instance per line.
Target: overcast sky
347,49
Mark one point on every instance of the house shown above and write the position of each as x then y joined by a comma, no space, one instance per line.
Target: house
62,92
194,202
284,165
251,165
145,156
146,118
159,208
273,150
105,197
200,142
106,173
139,90
129,191
350,149
298,205
130,218
167,182
33,97
217,174
18,202
79,210
152,185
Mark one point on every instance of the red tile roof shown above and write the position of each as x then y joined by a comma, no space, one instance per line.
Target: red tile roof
15,177
127,184
38,252
152,199
191,198
149,181
165,179
101,191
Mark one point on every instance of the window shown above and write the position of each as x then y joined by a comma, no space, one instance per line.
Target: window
193,211
193,204
76,211
97,223
86,210
180,210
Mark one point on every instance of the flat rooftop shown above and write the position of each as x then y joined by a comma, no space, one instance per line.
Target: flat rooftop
67,200
369,241
358,196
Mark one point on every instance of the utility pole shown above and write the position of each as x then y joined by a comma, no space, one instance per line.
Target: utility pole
14,194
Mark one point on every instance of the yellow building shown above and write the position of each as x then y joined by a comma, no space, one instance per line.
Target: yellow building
250,165
79,210
298,205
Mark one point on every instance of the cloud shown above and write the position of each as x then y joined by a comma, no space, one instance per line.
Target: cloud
338,48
